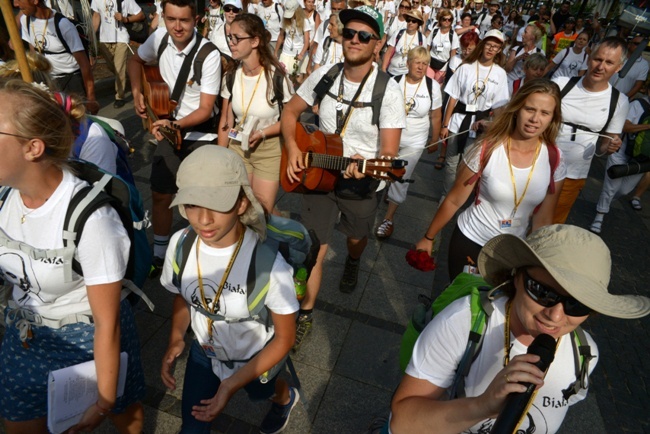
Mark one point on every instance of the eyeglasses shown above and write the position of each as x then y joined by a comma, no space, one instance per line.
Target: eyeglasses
492,47
416,3
234,39
230,8
404,7
445,19
547,297
364,37
14,135
412,20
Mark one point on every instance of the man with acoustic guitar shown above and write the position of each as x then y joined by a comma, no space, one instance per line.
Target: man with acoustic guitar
191,66
346,109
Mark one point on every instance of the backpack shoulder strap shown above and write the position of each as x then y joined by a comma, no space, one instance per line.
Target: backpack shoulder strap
474,178
429,81
326,82
451,37
570,85
582,357
162,46
57,27
181,253
646,107
399,36
230,81
277,11
181,79
4,192
612,108
554,161
204,52
278,89
378,95
435,32
258,280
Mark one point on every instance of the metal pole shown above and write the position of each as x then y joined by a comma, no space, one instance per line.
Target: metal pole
16,40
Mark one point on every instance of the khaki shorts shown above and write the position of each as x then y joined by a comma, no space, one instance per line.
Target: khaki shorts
319,212
262,161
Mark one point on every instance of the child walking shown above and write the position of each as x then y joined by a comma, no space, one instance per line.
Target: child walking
214,195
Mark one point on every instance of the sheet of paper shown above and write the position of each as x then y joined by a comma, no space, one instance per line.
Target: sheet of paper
71,390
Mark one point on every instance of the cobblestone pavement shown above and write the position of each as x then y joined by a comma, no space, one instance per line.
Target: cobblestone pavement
349,364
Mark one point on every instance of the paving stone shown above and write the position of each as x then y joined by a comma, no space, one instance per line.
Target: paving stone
390,300
322,347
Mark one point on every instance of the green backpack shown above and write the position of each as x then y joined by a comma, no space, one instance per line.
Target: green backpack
481,297
639,148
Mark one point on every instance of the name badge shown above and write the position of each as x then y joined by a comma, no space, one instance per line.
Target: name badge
439,48
505,223
234,134
470,108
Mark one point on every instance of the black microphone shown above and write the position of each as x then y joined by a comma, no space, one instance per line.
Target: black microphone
517,403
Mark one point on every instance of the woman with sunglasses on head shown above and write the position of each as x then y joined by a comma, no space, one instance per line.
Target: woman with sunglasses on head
402,42
293,41
250,106
511,166
330,52
231,8
550,283
56,317
443,43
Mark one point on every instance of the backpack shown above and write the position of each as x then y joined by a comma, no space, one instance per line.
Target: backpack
199,58
481,297
566,54
57,28
612,107
278,86
638,146
138,31
435,32
553,161
429,82
298,246
401,32
104,189
516,85
118,139
323,86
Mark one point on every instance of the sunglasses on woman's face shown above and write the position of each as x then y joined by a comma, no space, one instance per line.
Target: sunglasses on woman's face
364,37
412,20
445,19
404,7
547,297
230,9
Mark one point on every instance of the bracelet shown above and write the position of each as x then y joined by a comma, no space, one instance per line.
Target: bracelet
430,239
445,126
262,133
102,411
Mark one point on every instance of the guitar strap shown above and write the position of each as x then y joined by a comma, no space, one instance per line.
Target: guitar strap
342,120
184,73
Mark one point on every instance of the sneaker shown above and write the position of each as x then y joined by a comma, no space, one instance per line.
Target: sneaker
119,103
385,229
156,267
596,227
350,274
303,328
636,203
278,416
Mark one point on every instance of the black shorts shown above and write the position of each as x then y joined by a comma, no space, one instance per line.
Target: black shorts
166,161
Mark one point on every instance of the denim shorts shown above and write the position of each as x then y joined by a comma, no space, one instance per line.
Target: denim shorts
24,371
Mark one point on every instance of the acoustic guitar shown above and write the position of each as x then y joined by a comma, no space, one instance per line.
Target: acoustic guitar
158,104
323,159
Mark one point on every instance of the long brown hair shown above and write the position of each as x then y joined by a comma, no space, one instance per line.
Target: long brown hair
478,52
505,123
254,26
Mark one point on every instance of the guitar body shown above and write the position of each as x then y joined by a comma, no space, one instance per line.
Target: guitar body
311,140
156,94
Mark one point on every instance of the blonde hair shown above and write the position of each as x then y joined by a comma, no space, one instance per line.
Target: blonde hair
418,53
36,114
299,17
38,64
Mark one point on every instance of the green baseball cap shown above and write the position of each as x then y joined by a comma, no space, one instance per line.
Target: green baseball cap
368,15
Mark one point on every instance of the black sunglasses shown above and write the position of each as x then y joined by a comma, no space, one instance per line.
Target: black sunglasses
364,37
547,297
230,8
412,20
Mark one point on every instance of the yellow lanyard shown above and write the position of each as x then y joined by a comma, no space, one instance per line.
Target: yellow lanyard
334,60
40,47
477,89
243,119
215,302
407,45
512,175
409,105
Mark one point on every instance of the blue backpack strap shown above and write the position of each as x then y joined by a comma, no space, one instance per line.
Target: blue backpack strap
258,280
181,253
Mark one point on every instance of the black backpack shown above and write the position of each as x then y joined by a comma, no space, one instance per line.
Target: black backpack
139,31
429,81
57,27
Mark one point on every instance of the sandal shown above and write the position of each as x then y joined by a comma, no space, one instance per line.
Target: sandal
440,162
636,203
384,230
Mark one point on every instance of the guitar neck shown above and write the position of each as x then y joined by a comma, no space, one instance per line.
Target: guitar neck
331,162
150,113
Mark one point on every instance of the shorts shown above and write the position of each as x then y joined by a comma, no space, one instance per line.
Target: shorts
262,161
166,161
319,212
24,371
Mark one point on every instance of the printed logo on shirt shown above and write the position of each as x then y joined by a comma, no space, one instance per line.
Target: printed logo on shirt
17,271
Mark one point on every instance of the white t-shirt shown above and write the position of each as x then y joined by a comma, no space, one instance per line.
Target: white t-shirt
218,38
389,7
589,109
361,136
487,91
440,45
170,67
518,69
259,107
420,105
111,31
394,26
324,9
485,23
272,17
455,62
571,65
321,33
99,149
50,45
294,39
480,223
440,347
64,6
639,71
39,285
397,65
215,19
159,11
331,56
235,340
